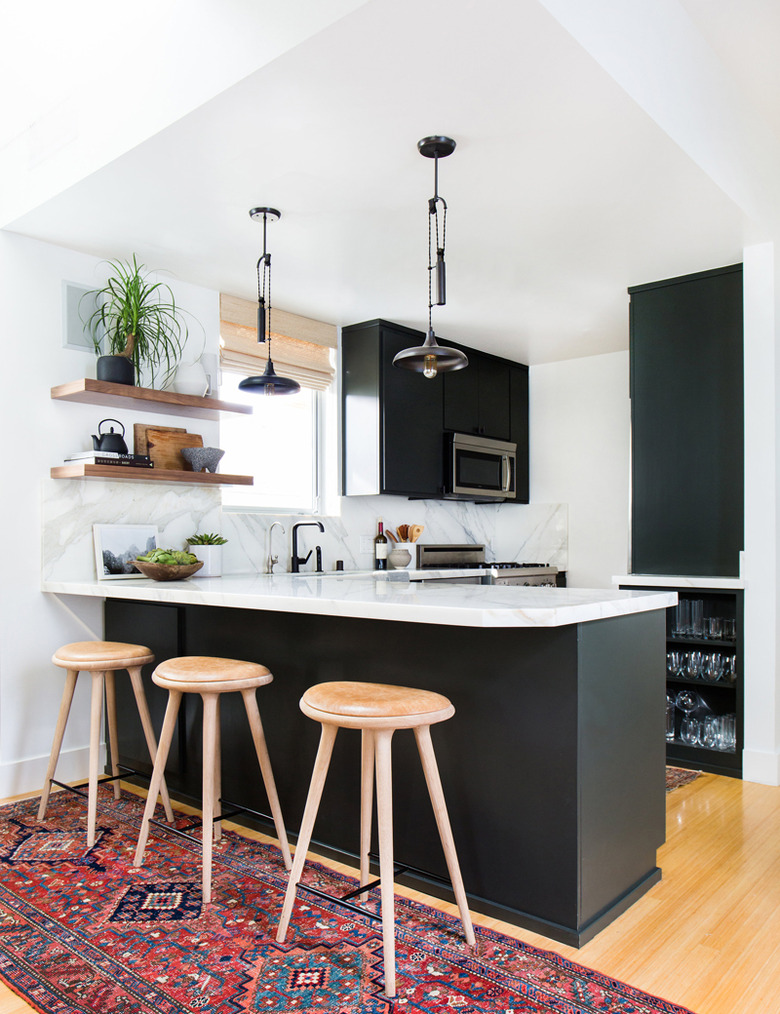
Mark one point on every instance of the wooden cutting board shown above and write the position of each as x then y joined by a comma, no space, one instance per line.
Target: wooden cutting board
140,445
164,447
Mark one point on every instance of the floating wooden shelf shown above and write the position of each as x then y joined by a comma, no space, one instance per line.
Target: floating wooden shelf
89,471
99,392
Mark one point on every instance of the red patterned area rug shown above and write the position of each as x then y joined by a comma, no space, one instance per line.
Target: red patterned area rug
81,930
675,777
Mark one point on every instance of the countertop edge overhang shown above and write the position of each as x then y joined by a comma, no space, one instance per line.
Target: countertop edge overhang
678,581
367,598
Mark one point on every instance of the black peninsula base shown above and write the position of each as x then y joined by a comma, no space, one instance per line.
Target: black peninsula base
553,765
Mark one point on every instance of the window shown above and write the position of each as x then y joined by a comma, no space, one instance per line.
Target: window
278,445
283,442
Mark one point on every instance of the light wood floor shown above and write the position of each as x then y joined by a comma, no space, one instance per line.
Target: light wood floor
708,935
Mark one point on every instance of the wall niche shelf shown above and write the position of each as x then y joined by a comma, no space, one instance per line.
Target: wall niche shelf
90,471
99,392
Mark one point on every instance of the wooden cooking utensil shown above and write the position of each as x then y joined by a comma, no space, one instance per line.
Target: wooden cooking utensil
403,533
415,531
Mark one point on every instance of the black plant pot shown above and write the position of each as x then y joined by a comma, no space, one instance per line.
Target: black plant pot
116,370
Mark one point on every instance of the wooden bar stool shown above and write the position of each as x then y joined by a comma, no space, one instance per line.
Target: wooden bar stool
101,659
210,677
377,710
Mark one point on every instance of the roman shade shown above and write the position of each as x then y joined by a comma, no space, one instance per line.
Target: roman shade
301,347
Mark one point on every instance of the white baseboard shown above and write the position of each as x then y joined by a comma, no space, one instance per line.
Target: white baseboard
761,766
27,775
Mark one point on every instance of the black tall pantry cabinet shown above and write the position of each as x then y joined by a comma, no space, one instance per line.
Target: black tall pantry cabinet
687,425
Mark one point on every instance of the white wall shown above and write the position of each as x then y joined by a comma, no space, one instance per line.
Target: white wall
38,432
580,445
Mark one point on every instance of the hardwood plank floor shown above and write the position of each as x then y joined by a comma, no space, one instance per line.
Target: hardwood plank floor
708,935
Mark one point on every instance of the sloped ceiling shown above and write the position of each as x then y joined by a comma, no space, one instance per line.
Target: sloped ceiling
561,192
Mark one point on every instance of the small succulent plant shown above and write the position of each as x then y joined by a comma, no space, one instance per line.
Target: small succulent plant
209,539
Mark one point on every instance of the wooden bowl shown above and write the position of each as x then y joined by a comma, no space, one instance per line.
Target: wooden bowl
167,571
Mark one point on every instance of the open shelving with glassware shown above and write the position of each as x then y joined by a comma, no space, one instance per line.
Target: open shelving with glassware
705,675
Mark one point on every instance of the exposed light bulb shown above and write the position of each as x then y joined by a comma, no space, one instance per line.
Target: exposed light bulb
429,367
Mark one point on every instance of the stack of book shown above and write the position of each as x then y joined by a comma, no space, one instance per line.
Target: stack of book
110,458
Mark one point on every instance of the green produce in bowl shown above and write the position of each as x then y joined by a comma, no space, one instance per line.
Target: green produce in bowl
170,557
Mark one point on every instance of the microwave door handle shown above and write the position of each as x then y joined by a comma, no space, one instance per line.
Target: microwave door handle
506,474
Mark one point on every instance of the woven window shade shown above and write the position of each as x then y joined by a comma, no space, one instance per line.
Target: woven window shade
300,347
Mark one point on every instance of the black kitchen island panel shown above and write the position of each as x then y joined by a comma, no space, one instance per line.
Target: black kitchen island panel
553,765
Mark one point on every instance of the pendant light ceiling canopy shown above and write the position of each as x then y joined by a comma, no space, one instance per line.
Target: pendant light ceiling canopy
269,382
430,358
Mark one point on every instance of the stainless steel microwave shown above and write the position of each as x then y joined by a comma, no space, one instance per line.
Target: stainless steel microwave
479,468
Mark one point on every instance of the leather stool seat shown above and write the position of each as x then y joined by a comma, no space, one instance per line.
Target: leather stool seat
101,659
210,677
378,710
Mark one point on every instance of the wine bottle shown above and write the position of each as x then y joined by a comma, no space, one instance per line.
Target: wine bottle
380,548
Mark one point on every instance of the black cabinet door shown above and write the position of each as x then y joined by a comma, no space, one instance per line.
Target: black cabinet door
687,425
494,395
461,395
518,432
412,440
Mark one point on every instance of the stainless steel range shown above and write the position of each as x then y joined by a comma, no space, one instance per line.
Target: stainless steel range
466,557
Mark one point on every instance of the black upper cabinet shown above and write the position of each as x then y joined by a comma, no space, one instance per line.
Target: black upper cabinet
394,422
477,399
687,425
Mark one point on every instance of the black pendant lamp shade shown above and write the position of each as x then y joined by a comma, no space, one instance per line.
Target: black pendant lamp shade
269,382
430,358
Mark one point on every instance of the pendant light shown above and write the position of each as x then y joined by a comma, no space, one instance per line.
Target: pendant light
430,358
270,382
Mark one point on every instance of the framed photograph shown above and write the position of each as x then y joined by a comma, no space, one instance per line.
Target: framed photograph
117,545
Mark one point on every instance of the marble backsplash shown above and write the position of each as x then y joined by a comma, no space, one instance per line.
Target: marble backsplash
526,533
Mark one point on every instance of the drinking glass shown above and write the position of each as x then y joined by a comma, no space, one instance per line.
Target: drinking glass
689,731
729,629
709,733
682,619
712,667
675,662
697,617
670,710
730,668
693,665
688,701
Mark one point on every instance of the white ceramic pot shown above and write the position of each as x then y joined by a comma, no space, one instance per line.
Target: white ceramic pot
191,379
212,560
399,558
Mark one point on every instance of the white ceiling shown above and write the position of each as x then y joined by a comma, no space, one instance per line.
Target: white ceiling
561,191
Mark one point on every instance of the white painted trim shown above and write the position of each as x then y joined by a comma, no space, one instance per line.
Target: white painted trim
761,766
17,777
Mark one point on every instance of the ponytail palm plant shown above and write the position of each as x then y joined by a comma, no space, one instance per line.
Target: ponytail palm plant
138,319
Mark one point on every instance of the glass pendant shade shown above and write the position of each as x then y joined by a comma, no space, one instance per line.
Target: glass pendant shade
430,358
270,383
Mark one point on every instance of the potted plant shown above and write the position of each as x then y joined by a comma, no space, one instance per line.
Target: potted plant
208,548
136,325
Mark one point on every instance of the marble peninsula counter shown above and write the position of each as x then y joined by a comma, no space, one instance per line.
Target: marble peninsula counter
553,764
392,596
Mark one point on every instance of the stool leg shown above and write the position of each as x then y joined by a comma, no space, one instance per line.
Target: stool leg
112,739
384,813
318,775
209,773
218,772
59,732
366,805
430,768
96,713
261,749
166,735
146,724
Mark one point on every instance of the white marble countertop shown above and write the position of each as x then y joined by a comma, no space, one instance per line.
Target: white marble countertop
677,581
395,598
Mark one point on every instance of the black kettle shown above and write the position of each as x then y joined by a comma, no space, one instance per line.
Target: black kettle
110,441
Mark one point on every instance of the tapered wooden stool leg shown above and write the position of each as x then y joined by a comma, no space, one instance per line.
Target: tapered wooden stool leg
166,735
112,739
366,805
384,816
59,732
327,738
96,713
209,773
261,749
146,724
218,772
433,781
